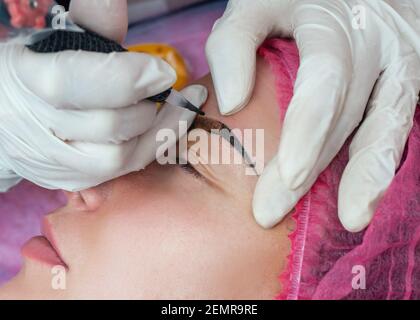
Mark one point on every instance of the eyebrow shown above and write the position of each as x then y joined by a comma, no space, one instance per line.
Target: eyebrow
214,126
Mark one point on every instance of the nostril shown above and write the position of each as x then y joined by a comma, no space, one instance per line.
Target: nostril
92,199
75,201
89,200
33,4
71,196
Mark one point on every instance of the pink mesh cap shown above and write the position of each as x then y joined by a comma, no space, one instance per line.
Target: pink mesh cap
326,262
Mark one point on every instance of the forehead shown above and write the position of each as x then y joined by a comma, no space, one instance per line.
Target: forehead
261,113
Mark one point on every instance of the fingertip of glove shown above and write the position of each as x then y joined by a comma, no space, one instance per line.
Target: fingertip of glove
293,181
233,78
230,101
196,94
355,215
356,220
167,71
227,109
272,201
263,216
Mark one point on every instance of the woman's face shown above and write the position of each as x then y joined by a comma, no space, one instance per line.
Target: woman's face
168,232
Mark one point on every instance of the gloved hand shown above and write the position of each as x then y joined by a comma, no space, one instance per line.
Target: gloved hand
73,120
350,75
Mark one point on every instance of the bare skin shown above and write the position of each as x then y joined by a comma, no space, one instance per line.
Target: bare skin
165,233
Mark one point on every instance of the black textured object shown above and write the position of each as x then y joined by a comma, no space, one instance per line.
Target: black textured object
4,14
65,3
61,40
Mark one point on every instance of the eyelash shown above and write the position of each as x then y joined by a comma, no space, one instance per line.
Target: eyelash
188,168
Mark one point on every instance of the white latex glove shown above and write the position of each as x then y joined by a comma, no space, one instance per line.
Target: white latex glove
335,92
73,120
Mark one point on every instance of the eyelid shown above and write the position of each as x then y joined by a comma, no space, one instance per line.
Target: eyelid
198,170
205,170
189,168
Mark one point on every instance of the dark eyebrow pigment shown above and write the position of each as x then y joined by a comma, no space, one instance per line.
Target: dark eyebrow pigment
210,125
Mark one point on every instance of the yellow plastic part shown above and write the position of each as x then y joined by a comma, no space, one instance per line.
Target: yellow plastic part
170,55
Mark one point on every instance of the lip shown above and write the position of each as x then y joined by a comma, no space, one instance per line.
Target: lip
43,249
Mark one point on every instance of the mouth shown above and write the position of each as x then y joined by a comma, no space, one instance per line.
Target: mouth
43,248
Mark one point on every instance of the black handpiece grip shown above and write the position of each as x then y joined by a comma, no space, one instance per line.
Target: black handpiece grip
61,40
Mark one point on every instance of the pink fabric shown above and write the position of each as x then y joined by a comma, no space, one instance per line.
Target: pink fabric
323,253
20,212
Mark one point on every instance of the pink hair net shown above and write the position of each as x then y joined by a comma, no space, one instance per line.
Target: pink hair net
324,256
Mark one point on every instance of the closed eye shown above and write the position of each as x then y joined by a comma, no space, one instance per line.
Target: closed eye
191,170
188,168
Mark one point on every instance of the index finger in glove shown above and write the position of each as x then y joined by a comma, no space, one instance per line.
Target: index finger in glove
231,49
89,80
377,148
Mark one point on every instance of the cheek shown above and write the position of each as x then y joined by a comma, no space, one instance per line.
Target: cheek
167,196
160,251
156,238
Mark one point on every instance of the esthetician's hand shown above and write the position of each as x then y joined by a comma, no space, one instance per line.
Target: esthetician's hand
360,68
73,120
